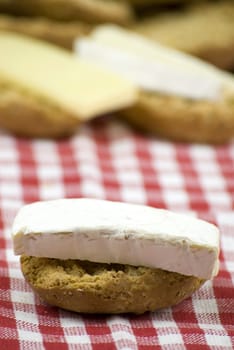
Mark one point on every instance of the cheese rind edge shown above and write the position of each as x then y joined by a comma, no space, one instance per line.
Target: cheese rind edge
112,232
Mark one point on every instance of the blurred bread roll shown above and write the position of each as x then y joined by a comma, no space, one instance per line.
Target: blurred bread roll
205,30
92,11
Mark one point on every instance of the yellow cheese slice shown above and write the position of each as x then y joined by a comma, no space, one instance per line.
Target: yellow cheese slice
68,82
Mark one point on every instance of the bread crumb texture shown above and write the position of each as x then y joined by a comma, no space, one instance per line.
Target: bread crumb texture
29,115
182,119
190,31
88,287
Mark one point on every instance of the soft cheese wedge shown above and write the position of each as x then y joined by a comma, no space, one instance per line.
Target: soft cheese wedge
113,232
54,88
153,66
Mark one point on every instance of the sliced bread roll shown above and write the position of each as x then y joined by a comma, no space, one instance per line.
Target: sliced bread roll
91,11
56,32
204,30
87,287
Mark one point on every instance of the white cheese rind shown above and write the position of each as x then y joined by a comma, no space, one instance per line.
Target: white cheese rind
112,232
56,75
152,66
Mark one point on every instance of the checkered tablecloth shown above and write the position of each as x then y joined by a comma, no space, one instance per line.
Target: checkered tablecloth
108,160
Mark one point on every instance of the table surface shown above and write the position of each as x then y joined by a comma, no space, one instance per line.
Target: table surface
108,160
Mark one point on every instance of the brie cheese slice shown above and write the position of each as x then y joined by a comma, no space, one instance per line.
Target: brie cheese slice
152,66
113,232
54,74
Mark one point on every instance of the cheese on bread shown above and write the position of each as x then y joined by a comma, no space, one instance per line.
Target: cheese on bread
152,66
55,75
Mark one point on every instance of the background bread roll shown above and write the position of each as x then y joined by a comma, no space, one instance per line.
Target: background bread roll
60,33
92,11
181,119
192,30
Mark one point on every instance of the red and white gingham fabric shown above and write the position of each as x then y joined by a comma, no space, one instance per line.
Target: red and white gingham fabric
108,160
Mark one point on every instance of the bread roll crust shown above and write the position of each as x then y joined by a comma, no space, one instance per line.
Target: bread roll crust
56,32
27,115
91,11
188,30
181,119
88,287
